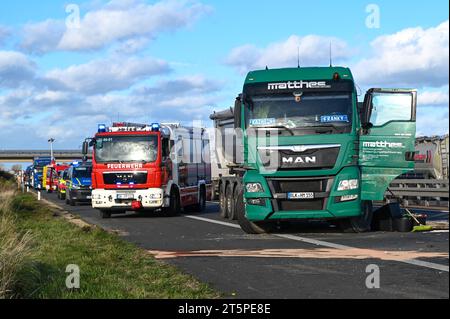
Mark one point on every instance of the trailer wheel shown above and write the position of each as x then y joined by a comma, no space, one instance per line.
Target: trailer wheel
105,214
361,223
222,201
229,201
246,225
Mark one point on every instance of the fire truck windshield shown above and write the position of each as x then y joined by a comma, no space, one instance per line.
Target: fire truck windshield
126,148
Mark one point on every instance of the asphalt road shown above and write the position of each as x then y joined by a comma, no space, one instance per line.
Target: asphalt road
311,260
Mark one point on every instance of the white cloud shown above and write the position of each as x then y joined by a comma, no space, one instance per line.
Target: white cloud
4,33
115,21
105,75
314,50
15,69
192,84
411,57
432,121
433,97
42,37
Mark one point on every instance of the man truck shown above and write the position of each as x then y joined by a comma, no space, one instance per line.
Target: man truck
304,148
149,167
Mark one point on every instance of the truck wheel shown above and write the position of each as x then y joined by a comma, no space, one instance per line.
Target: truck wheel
246,225
229,201
175,206
105,214
237,190
72,202
222,202
361,223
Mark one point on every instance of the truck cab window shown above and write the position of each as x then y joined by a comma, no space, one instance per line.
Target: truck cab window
390,107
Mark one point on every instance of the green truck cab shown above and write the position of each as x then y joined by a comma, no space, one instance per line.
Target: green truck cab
311,151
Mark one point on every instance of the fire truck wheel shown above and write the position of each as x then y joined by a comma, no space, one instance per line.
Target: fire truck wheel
105,214
246,225
72,202
229,201
359,224
175,206
222,202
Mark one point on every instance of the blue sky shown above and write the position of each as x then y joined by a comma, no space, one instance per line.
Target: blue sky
180,60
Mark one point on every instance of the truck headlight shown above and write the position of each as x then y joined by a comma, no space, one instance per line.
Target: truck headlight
254,187
76,186
155,196
348,184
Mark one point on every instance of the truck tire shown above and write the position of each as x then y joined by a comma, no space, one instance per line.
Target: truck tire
230,201
105,214
246,225
175,206
361,223
72,202
222,202
237,190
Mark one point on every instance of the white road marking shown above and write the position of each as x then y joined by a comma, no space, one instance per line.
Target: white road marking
213,221
312,241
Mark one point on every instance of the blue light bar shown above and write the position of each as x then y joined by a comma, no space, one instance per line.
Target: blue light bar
101,128
155,127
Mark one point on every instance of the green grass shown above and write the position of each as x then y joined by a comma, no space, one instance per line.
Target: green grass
109,267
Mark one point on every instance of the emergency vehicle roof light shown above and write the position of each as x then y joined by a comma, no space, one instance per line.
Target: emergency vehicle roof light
155,127
101,128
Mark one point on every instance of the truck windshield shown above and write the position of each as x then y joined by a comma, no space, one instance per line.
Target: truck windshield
301,110
137,148
82,172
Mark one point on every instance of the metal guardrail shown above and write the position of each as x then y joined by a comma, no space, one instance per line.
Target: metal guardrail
431,193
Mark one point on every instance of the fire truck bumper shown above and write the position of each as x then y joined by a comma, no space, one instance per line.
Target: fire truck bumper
123,199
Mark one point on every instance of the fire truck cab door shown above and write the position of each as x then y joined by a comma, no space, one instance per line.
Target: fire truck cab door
387,139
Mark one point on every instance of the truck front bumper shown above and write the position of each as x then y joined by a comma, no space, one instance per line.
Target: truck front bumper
151,198
80,195
325,201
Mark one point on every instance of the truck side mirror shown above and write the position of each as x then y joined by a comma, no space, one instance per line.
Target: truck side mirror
366,126
237,111
85,149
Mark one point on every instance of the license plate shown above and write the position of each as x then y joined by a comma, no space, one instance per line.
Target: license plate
125,196
308,195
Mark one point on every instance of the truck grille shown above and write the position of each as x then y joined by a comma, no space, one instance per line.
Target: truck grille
299,205
125,178
279,188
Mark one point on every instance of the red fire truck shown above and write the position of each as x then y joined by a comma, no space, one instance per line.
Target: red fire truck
149,167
